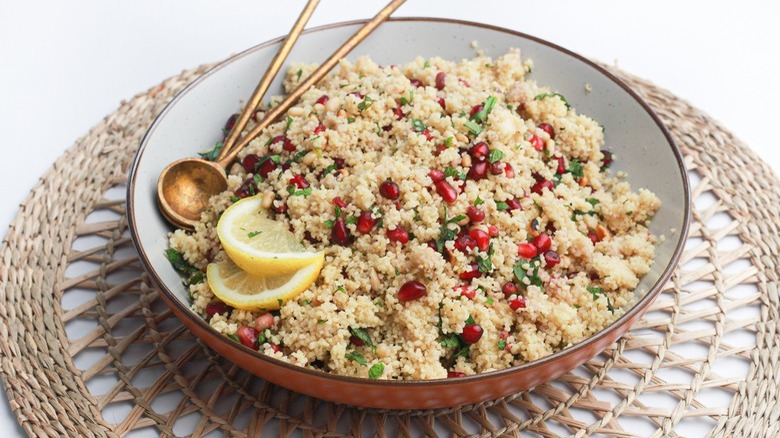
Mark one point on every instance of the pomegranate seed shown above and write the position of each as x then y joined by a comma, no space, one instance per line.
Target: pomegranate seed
478,171
540,185
357,94
432,245
465,83
281,209
319,129
471,333
217,308
475,109
299,181
248,188
436,175
509,289
497,168
546,127
398,234
231,122
399,113
536,142
503,334
339,162
276,348
427,134
561,166
551,258
339,202
354,340
455,374
439,149
339,234
250,163
513,204
469,275
466,291
264,321
442,103
286,143
517,303
410,291
323,99
509,171
479,151
481,237
266,167
492,231
389,190
440,77
607,160
527,250
365,222
594,237
415,83
475,215
542,243
464,243
446,191
247,336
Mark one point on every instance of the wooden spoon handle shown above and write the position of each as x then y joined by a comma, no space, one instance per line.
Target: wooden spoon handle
268,77
315,77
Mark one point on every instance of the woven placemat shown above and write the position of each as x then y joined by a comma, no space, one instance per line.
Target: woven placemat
88,348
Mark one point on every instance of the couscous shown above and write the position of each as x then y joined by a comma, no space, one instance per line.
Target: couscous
466,213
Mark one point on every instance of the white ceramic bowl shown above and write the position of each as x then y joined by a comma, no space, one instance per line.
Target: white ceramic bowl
192,122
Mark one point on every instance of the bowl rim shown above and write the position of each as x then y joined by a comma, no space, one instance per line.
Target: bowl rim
639,306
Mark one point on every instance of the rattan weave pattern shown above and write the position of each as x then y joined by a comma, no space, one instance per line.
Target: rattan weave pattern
79,315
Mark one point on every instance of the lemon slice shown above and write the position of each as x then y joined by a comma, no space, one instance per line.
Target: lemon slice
253,292
260,245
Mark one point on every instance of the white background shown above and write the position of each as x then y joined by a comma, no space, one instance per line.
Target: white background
63,66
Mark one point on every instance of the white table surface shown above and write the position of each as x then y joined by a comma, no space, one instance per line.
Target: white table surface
65,65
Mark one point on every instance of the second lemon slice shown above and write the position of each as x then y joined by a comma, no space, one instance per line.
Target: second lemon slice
260,245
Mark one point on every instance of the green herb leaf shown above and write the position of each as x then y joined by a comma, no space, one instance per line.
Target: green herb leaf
303,192
456,219
192,274
234,338
501,206
350,119
351,220
470,320
593,201
450,341
357,357
300,154
576,169
418,125
495,155
212,153
376,371
234,198
252,234
329,169
519,272
289,122
329,223
478,201
450,171
489,301
362,334
596,291
487,106
474,128
448,142
300,72
484,264
405,101
546,95
427,64
501,344
445,235
365,103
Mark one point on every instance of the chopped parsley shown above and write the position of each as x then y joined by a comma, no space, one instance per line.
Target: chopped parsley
501,206
451,340
376,371
365,103
192,274
474,128
234,338
418,125
357,357
252,234
289,122
559,95
576,169
525,280
478,201
487,106
448,142
302,192
501,344
362,334
299,73
595,291
427,64
212,153
350,119
495,155
593,201
234,198
450,171
405,101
